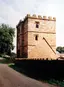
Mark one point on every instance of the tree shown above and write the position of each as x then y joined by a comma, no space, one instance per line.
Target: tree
60,49
6,39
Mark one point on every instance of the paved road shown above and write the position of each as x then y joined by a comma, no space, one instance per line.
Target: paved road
11,78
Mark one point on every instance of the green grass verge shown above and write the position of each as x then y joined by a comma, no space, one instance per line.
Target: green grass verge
11,64
56,82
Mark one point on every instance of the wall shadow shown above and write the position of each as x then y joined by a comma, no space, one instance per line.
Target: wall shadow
41,69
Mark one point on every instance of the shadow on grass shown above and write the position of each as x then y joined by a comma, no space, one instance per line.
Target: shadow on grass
21,70
48,71
26,73
50,81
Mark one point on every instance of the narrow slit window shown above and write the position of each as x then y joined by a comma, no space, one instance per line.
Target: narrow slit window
37,25
36,37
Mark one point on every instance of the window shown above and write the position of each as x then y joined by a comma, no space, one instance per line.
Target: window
37,24
36,37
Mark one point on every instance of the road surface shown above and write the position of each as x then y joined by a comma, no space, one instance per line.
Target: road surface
11,78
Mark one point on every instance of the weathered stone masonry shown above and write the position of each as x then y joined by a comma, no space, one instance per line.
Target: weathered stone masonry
36,37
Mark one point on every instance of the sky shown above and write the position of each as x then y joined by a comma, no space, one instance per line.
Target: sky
11,11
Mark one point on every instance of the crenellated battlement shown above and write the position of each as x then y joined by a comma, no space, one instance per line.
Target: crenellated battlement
34,16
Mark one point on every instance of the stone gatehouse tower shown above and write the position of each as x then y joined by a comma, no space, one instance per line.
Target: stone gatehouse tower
36,37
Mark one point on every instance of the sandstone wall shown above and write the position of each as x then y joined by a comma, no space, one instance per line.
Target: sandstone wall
22,38
39,48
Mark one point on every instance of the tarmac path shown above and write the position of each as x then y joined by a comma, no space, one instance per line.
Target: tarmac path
11,78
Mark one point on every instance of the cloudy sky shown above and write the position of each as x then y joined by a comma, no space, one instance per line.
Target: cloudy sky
11,11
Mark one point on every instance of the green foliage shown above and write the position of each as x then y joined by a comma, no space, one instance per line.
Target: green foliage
60,49
56,82
6,39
